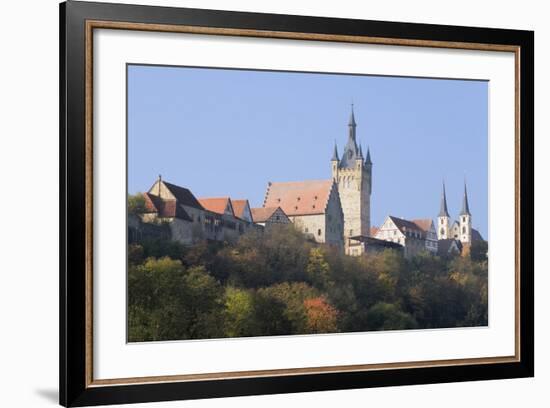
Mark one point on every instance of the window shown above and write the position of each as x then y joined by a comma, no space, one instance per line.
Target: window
319,232
394,232
298,198
306,230
351,232
464,230
277,217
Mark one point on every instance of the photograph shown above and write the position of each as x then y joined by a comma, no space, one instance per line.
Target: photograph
268,203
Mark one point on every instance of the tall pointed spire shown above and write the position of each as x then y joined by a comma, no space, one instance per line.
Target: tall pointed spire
368,160
351,149
443,212
465,207
360,154
335,154
352,125
352,118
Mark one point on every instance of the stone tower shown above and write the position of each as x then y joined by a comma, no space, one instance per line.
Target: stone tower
465,220
443,219
353,176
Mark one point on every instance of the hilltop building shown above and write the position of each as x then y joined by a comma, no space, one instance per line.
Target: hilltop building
313,206
335,211
190,219
353,176
268,216
415,236
422,235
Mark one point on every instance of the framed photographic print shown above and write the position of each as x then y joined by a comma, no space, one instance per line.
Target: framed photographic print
256,203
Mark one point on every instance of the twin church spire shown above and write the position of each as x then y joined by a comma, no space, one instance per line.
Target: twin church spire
462,228
444,212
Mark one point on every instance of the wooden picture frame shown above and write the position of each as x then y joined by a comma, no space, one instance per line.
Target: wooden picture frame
77,22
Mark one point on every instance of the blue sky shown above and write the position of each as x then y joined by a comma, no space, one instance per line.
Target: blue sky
228,132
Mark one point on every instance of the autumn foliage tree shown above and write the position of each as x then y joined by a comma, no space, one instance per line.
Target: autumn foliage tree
321,316
280,283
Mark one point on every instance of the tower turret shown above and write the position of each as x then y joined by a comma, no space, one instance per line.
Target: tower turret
368,170
334,162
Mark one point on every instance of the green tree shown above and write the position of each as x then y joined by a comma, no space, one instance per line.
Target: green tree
270,315
239,315
478,251
168,302
318,269
388,316
293,295
136,204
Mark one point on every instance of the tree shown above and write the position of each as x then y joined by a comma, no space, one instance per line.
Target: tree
269,315
293,295
136,204
478,251
239,315
388,316
318,269
168,302
321,316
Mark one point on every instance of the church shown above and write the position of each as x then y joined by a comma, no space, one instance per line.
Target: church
459,230
335,211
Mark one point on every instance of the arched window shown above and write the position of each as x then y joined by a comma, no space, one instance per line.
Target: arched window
442,231
464,230
319,232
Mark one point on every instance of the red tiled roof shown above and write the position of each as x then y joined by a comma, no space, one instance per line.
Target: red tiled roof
299,197
216,205
262,214
424,224
374,231
165,208
239,207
